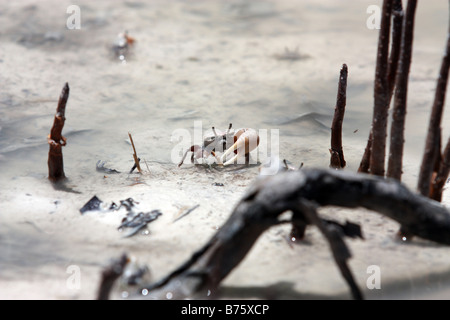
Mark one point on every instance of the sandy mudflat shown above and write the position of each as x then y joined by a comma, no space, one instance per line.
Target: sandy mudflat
216,63
44,234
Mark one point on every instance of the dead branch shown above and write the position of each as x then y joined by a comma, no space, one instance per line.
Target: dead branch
434,128
337,154
56,140
401,89
381,94
270,196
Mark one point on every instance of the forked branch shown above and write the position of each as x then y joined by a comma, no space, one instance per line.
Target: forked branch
300,191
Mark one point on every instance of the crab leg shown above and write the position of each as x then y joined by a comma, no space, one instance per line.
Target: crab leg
197,153
184,157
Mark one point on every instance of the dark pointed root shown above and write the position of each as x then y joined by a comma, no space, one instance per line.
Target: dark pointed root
56,141
434,128
337,160
381,94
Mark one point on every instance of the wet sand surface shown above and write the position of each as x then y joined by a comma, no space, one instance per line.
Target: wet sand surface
268,65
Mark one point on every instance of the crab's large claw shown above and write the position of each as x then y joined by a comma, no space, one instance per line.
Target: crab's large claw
246,141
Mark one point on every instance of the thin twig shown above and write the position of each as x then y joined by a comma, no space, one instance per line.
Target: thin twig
136,159
401,91
146,165
337,160
185,213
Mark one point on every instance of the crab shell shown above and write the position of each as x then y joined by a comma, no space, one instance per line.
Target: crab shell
240,142
221,142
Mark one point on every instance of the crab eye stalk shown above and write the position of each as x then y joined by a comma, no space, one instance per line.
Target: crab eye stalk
229,128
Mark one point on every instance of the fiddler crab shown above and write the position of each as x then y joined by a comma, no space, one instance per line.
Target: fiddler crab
220,144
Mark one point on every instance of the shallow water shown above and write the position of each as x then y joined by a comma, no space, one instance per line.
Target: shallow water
213,62
200,62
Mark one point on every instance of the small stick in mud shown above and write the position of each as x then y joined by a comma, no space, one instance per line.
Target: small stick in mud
185,213
56,140
337,154
136,159
434,128
381,95
397,139
439,177
364,166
